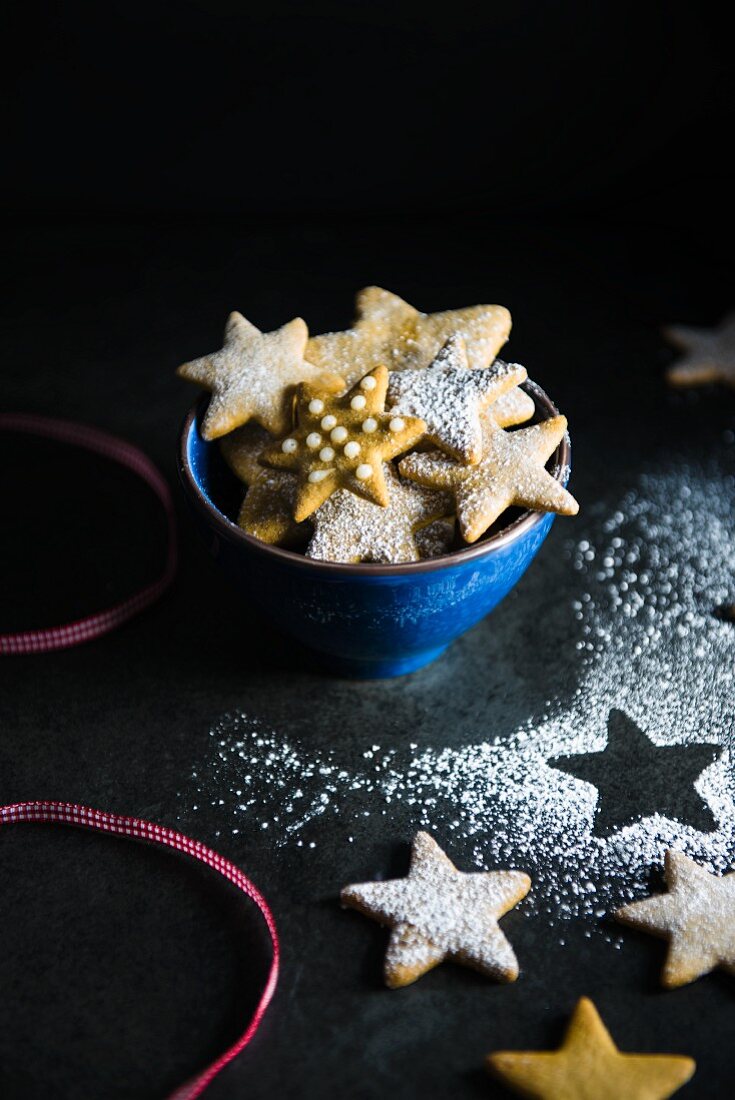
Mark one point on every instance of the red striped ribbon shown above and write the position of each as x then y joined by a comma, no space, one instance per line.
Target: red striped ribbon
67,813
93,626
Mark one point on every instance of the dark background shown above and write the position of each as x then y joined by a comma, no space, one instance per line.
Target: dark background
166,163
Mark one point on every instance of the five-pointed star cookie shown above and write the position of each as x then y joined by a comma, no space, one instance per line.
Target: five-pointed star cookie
438,912
251,376
348,528
709,354
267,510
342,440
449,397
696,916
242,449
511,471
588,1066
390,331
514,407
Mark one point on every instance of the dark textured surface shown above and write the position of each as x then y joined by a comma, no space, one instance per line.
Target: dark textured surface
123,969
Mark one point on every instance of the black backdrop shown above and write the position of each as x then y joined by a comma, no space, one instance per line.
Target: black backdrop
164,164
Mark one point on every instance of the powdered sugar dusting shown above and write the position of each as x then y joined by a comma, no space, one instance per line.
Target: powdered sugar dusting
644,575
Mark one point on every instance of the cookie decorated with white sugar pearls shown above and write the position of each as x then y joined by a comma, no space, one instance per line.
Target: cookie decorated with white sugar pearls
450,396
438,913
342,440
348,528
392,332
252,376
512,471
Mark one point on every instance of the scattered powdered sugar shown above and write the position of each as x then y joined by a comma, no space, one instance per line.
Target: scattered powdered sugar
644,578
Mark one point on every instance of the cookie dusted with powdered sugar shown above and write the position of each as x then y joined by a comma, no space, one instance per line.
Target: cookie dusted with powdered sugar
242,449
438,913
511,472
449,396
348,528
252,376
389,331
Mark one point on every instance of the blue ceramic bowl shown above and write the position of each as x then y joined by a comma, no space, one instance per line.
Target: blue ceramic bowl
366,621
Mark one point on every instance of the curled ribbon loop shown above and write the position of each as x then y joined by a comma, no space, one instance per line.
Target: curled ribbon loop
93,626
68,813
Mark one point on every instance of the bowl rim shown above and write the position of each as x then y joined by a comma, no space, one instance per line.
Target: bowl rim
520,526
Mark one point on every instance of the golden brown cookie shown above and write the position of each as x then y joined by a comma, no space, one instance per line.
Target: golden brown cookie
242,449
437,912
342,440
512,408
449,397
390,331
708,354
252,376
348,528
696,916
511,472
588,1066
267,510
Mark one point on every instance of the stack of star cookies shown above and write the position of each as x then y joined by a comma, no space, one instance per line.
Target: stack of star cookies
377,443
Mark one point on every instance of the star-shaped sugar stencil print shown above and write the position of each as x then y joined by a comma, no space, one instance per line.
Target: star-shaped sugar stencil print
449,397
251,376
437,912
636,778
708,354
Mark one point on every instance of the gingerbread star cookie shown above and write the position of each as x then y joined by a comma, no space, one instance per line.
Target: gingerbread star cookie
438,912
267,510
514,407
510,472
251,376
588,1066
696,916
348,528
449,397
342,440
390,331
709,354
242,449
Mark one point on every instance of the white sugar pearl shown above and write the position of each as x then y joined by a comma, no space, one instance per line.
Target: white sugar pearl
328,422
368,383
326,454
358,402
370,425
313,440
397,424
364,471
318,475
338,434
352,449
316,406
289,446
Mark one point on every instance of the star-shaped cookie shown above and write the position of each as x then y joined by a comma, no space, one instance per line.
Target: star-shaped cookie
511,471
342,440
348,528
438,912
514,407
709,354
588,1066
696,916
251,376
449,397
242,449
267,510
390,331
